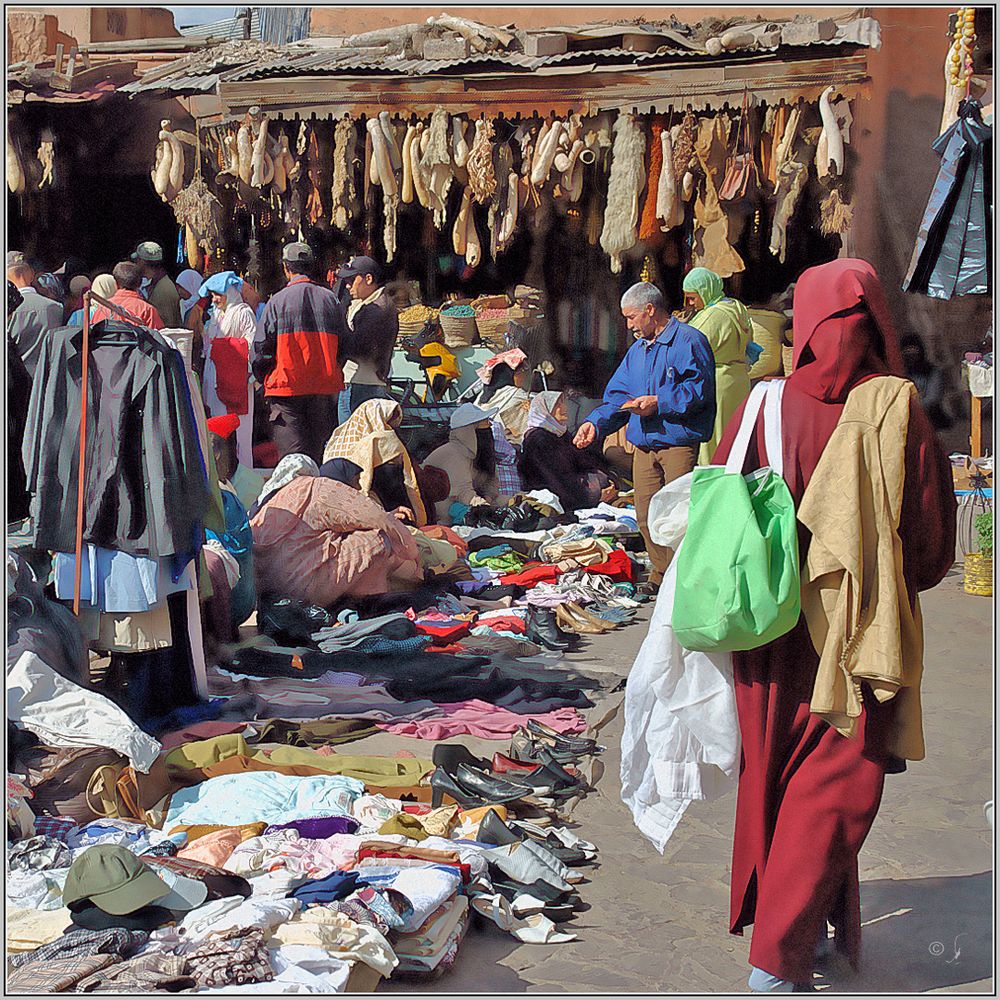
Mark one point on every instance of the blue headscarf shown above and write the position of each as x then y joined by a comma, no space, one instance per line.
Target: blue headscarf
220,283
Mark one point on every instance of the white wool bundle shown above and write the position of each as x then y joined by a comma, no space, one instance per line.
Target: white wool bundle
342,189
625,185
436,161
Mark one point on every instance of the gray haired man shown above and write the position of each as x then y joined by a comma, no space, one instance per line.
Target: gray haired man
664,390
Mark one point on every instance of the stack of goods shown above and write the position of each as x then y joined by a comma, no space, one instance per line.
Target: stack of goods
248,844
977,373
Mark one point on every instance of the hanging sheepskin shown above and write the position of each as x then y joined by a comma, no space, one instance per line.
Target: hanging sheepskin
628,177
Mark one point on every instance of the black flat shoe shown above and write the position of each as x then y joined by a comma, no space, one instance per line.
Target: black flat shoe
553,769
540,889
559,913
573,857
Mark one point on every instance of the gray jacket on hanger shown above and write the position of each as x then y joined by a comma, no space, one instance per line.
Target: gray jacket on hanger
145,478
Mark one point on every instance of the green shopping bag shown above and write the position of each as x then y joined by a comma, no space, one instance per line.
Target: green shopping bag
738,567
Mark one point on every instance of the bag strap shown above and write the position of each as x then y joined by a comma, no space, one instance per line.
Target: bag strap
774,453
741,445
767,395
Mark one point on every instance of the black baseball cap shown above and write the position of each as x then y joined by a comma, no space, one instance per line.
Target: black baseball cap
358,265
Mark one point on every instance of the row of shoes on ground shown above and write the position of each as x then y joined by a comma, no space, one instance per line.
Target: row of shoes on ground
531,879
467,778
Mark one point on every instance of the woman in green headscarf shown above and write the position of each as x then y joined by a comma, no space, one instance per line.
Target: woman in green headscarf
727,325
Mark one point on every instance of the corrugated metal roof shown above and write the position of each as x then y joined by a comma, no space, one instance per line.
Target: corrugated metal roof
202,71
282,25
199,72
227,28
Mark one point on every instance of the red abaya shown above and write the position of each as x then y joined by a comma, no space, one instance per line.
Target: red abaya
807,795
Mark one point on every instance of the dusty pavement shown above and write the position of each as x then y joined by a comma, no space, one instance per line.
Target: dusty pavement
659,923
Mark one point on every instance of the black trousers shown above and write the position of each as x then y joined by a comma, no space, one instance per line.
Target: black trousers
302,424
152,684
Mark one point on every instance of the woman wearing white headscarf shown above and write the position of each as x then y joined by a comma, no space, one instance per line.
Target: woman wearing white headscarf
189,284
468,459
549,461
103,285
287,469
228,355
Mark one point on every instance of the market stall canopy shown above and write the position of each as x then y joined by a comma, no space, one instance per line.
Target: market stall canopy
705,63
60,81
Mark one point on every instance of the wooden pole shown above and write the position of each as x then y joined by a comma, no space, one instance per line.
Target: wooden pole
976,439
83,455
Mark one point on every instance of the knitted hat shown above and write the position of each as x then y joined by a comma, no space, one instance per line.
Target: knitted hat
224,426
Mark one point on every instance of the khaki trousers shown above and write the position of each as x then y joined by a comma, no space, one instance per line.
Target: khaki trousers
651,471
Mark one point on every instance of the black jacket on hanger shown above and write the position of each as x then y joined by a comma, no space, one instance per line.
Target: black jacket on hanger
145,484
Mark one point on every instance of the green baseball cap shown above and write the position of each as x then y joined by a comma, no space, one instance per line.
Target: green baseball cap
114,879
149,251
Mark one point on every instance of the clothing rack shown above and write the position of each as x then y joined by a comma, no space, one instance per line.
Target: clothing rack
115,310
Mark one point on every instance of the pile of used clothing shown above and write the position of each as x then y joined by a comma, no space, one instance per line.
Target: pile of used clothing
281,832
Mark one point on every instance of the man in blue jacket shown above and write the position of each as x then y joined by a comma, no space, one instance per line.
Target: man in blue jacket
665,390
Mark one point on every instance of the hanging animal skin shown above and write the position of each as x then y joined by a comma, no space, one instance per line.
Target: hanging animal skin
342,190
624,187
482,179
46,157
314,203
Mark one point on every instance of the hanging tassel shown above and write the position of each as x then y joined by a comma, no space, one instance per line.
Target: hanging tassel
181,251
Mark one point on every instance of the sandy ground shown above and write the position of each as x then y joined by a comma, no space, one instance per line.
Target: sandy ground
659,923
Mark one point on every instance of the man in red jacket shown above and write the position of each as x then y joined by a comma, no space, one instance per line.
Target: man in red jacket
297,358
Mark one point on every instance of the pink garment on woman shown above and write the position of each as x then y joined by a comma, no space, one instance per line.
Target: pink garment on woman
479,718
318,540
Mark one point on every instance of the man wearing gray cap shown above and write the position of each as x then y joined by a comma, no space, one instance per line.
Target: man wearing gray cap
34,317
296,362
162,294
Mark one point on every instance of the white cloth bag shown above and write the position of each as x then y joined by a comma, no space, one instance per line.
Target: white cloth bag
681,741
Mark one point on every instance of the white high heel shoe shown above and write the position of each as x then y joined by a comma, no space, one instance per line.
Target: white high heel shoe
534,929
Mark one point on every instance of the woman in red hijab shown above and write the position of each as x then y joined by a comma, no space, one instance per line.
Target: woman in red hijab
808,795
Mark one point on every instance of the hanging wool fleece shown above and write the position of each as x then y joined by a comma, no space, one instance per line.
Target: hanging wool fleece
628,177
649,229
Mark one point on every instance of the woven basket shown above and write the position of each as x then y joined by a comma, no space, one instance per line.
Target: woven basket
979,574
493,329
490,302
787,353
458,331
412,327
